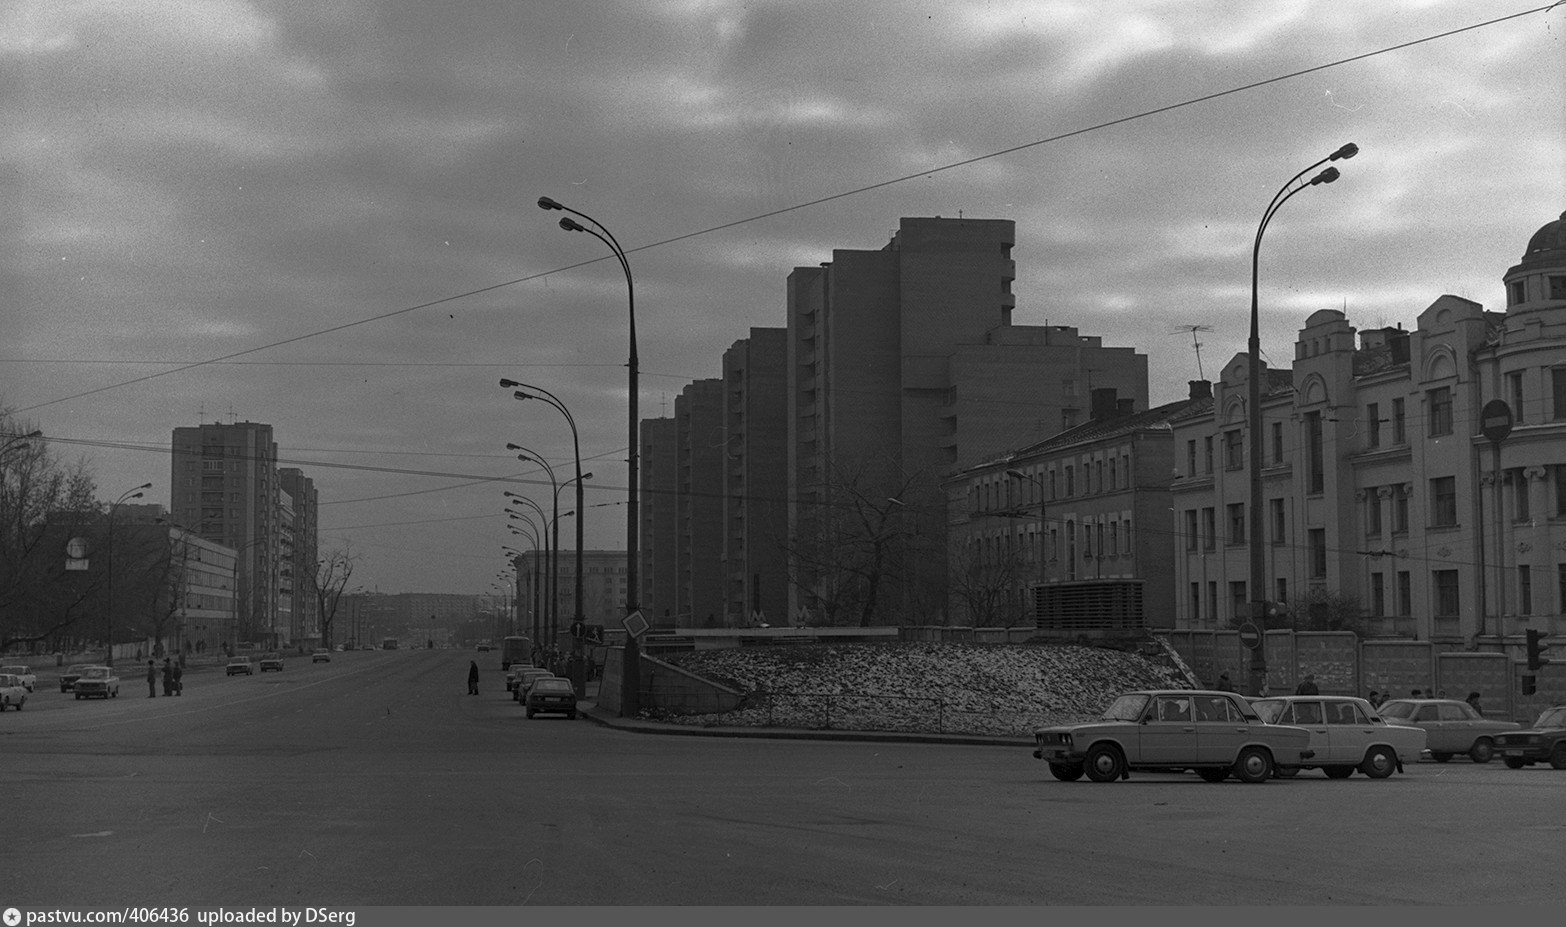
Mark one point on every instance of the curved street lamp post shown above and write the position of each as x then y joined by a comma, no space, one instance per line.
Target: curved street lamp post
630,678
1258,565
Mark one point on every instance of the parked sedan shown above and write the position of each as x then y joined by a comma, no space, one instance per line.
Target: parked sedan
12,692
1217,734
1453,726
97,682
551,694
525,678
239,664
23,674
272,661
321,655
71,674
1346,734
1545,742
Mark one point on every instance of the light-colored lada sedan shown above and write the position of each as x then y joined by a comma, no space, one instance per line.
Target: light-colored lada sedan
1217,734
1346,733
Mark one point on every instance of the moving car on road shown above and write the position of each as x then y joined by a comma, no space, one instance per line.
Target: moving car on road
1453,726
71,674
23,674
272,661
1545,742
551,694
237,664
321,655
13,693
1217,734
97,682
1345,733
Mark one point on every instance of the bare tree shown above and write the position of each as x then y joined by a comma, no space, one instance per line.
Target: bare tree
328,582
988,587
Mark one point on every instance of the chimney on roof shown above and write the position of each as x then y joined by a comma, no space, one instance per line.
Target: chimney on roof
1399,345
1126,406
1201,389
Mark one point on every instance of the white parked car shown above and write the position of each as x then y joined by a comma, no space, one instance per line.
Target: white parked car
25,675
97,682
1346,733
12,692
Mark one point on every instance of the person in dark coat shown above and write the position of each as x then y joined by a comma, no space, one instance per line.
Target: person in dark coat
472,678
152,679
1224,684
1473,699
1307,686
168,676
179,677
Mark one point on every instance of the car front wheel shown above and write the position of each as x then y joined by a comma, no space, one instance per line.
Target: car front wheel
1379,763
1482,750
1104,763
1066,772
1253,765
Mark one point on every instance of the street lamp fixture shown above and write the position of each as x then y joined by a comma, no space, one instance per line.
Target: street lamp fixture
1258,563
109,567
630,678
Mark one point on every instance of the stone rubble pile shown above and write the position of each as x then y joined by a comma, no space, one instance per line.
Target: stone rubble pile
996,689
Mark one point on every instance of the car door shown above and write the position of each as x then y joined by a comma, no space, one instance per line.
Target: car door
1308,715
1168,732
1349,732
1459,724
1428,716
1221,728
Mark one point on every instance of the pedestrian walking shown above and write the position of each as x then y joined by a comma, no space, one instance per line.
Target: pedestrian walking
152,679
1224,684
1417,693
1307,686
179,677
1473,699
168,677
472,677
1374,699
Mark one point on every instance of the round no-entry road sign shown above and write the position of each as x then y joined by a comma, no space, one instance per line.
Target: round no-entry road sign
1250,635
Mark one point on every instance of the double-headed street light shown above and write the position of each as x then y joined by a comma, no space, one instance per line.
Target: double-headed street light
630,679
551,560
109,564
1258,571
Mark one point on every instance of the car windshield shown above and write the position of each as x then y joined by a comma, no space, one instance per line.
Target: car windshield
18,670
552,685
1126,707
1555,717
1397,710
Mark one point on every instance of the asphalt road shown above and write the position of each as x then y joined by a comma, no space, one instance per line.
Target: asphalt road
375,780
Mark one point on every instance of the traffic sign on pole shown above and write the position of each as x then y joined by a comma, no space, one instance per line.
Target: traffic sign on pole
1250,636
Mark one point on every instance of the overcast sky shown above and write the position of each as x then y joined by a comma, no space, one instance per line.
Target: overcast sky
339,199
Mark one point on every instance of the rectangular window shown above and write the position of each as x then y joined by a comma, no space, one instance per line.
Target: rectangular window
1557,287
1318,552
1560,490
1125,537
1207,454
1279,528
1399,422
1405,594
1282,591
1514,395
1519,481
1315,471
1277,444
1209,528
1560,582
1190,457
1516,292
1125,470
1399,510
1443,502
1373,425
1196,602
1071,485
1378,594
1233,450
1440,403
1524,590
1558,393
1372,512
1237,523
1212,600
1190,529
1446,593
1114,538
1113,484
1237,600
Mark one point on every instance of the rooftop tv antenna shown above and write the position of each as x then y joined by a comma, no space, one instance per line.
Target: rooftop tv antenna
1193,329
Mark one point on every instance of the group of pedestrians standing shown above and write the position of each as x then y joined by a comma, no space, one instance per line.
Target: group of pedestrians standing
173,678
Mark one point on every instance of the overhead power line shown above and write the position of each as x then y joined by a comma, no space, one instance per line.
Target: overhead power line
1122,120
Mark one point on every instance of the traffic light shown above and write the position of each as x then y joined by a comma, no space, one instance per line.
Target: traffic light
1536,649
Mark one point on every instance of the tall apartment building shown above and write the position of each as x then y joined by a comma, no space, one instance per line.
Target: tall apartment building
658,545
902,365
301,494
755,480
224,487
698,422
1382,485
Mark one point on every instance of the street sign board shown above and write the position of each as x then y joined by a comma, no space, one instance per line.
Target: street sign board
635,624
1495,420
1250,636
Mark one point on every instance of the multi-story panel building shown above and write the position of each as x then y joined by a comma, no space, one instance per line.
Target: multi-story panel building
1387,502
1072,532
305,627
658,546
224,487
903,364
698,416
604,589
755,479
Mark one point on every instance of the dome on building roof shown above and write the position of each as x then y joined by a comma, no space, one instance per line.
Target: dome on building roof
1552,237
